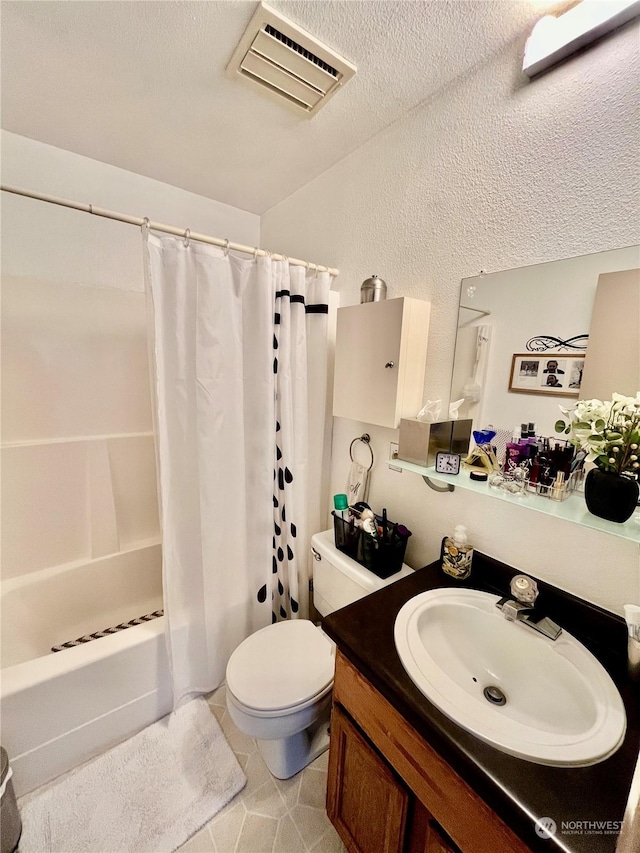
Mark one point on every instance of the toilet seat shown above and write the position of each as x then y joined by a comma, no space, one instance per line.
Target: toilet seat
281,668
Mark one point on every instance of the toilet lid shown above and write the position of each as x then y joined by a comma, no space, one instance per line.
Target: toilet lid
280,666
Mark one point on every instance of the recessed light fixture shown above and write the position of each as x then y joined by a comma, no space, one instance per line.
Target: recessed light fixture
555,38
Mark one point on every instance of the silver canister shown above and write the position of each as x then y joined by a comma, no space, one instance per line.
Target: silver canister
373,289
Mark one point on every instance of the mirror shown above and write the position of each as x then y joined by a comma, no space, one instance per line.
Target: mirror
523,340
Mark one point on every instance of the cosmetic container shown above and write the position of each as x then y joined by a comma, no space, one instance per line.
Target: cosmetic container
559,489
545,479
457,554
341,506
632,618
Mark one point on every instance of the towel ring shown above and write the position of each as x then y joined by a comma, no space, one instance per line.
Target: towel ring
365,438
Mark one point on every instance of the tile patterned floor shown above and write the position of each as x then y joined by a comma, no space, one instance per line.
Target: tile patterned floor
269,815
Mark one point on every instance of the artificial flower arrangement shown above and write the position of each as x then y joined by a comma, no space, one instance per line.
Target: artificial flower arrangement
608,431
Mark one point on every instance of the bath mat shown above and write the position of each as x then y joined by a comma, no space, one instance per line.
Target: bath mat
98,634
146,795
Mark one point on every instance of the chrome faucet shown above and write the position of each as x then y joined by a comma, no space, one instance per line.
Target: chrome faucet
519,607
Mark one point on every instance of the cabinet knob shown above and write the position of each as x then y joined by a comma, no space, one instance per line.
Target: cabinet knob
390,364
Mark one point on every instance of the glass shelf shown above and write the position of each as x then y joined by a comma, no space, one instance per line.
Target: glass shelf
572,509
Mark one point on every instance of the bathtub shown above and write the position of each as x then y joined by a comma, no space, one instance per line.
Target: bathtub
60,709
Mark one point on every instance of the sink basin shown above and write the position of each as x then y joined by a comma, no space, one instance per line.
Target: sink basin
547,701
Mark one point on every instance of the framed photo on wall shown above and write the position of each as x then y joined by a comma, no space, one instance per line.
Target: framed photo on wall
558,374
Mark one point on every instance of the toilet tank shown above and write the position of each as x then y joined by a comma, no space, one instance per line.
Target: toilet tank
337,579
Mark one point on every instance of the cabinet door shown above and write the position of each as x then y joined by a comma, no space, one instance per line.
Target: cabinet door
426,835
381,350
365,801
367,339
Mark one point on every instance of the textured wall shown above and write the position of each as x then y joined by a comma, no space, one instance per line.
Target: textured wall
490,173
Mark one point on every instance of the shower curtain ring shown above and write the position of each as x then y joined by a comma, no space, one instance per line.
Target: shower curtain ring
255,253
187,238
145,224
226,247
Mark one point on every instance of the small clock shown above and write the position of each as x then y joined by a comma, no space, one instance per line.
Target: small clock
447,463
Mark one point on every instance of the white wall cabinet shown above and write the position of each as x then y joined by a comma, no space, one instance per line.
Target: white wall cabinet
381,350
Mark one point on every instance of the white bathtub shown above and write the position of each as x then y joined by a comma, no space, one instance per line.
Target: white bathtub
61,709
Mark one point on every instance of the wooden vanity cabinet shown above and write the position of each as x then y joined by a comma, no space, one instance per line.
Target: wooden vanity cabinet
366,801
390,792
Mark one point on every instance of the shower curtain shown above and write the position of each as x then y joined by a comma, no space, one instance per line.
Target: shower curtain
238,347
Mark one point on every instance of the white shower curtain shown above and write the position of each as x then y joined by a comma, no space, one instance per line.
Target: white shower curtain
231,342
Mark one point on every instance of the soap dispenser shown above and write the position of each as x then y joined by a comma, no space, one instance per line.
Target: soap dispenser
457,554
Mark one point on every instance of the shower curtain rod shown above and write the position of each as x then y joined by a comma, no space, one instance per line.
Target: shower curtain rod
167,229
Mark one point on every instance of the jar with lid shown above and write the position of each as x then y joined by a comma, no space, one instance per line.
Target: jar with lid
373,289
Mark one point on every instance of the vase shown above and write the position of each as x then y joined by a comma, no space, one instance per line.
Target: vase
611,496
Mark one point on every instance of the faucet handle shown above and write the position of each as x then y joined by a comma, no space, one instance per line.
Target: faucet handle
524,589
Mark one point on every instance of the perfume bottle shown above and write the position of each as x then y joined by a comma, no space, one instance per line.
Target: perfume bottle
457,554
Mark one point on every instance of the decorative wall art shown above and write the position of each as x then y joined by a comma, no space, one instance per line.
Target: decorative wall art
557,374
541,343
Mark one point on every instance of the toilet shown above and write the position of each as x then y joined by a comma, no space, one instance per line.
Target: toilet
279,679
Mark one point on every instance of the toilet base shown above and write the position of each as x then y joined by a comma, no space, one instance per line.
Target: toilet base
287,756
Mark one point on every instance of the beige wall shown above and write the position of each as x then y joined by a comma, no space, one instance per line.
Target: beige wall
491,173
78,462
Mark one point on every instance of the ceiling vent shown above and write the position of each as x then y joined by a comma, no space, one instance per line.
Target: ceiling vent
285,60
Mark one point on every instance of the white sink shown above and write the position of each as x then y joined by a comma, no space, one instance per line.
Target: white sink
561,708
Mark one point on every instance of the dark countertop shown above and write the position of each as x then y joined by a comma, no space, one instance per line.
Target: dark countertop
518,791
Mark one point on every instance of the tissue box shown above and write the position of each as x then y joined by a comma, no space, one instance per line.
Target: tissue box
420,441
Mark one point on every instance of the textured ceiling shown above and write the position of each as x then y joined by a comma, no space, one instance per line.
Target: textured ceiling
142,85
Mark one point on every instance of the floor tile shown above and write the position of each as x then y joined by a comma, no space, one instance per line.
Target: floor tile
201,842
312,823
257,774
329,842
270,815
266,801
238,741
242,760
257,835
321,762
218,712
290,789
225,828
313,788
288,839
218,697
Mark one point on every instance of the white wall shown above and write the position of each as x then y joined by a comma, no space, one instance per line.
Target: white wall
84,248
491,173
79,477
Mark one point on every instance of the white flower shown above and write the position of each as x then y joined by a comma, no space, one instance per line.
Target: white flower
607,430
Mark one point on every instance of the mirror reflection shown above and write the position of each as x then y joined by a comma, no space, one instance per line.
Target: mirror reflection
534,338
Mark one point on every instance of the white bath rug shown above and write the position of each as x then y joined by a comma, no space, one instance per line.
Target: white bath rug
146,795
